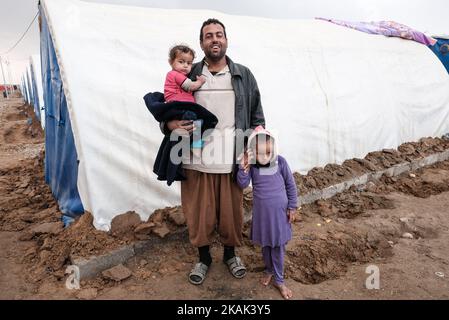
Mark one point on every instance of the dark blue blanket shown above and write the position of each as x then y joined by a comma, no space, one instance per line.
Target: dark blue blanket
164,167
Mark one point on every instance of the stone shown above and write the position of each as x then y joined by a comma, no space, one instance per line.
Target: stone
161,231
117,273
142,236
47,227
177,217
144,228
407,235
143,262
366,164
26,236
124,223
87,294
390,151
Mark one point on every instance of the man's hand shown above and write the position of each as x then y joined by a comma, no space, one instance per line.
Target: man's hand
183,127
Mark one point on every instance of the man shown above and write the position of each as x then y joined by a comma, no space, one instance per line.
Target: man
210,196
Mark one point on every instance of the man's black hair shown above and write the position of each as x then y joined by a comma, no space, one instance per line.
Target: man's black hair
211,21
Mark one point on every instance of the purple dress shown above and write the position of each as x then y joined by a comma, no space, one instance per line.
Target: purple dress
274,191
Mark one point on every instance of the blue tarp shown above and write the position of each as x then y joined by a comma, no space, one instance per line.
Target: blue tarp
61,160
441,49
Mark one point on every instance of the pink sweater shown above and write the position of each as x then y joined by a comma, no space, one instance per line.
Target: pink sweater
173,90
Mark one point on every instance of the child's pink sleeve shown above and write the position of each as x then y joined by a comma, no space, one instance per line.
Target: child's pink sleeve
177,77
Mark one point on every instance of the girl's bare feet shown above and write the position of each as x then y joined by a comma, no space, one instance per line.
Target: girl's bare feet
285,292
265,280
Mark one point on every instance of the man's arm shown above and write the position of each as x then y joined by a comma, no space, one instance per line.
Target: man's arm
257,116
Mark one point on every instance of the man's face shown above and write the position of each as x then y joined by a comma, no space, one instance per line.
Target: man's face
214,43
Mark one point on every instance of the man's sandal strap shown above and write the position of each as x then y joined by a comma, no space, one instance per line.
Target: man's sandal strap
236,267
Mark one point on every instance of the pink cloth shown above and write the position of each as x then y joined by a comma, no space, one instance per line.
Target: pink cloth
386,28
173,90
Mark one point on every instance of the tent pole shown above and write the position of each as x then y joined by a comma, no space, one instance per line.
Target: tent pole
4,81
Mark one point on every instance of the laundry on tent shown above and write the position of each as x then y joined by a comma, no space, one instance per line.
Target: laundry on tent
386,28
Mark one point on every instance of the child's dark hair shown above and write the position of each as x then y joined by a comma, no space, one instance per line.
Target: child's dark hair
180,48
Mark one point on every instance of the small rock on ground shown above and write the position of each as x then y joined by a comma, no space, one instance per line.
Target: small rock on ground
117,273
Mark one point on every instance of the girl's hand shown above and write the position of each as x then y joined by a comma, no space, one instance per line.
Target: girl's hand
245,160
291,215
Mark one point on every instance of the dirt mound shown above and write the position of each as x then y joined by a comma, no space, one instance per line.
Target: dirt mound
319,178
26,198
21,126
80,239
421,183
349,204
318,257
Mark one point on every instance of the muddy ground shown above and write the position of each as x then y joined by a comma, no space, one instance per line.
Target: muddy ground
335,240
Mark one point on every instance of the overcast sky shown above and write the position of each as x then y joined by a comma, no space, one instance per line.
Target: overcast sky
425,15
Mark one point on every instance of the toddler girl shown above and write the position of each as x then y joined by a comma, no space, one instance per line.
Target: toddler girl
274,203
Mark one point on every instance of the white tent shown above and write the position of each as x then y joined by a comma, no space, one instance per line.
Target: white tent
35,64
330,93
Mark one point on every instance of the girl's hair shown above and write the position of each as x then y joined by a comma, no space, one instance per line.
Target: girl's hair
180,49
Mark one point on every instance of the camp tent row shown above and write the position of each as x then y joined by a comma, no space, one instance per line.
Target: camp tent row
31,87
329,93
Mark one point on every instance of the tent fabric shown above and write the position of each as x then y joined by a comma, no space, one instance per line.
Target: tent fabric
29,86
61,163
329,93
26,89
441,49
39,107
23,88
35,101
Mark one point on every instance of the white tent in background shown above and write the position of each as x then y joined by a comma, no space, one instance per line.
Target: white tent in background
329,92
35,65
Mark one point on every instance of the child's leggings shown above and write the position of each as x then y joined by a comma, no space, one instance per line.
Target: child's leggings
274,262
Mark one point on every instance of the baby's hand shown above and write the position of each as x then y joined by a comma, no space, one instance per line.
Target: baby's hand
201,79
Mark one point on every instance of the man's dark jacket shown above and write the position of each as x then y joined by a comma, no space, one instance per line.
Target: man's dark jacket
248,107
164,167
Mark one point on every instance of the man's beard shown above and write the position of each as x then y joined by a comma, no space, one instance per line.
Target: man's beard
216,56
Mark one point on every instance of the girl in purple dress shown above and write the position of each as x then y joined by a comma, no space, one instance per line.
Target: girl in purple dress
275,200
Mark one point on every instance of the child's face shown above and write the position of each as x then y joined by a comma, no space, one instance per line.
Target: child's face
182,63
264,149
